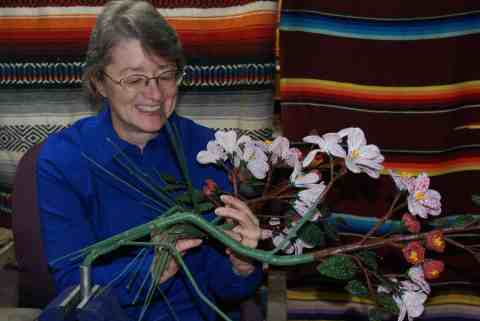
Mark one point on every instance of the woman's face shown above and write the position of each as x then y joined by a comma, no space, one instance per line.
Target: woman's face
139,108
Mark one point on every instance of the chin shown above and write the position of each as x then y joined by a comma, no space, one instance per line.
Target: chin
152,126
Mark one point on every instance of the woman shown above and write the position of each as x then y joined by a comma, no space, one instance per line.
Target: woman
134,64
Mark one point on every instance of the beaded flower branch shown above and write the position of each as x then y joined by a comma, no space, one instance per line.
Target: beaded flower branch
289,193
303,224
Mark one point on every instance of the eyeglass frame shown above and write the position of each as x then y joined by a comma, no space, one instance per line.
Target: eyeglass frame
179,74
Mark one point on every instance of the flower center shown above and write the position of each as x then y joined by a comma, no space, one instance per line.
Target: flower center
355,154
419,196
414,256
438,241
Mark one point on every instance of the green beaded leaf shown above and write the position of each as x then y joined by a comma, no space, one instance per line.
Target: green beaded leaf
378,314
330,231
248,190
169,179
207,206
440,222
185,198
457,221
386,302
463,220
312,234
402,228
173,187
338,267
357,288
369,258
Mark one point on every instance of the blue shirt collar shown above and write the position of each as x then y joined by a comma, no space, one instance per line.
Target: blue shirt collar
109,150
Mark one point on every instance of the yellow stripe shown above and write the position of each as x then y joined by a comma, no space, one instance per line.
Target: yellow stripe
394,90
314,295
443,170
454,299
471,126
439,299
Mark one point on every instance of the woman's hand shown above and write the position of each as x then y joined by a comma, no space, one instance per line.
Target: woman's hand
247,232
172,267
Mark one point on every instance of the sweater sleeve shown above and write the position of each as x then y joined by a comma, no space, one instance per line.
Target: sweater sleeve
227,284
67,227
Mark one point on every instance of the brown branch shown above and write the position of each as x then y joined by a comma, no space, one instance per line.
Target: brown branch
269,181
382,220
320,254
464,247
367,277
215,202
234,182
473,223
268,198
332,165
279,216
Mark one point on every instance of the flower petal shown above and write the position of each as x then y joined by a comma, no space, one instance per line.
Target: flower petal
313,139
310,157
228,140
352,165
356,139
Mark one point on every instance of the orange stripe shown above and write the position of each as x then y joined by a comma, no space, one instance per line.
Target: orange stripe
259,38
53,36
437,168
203,25
40,24
262,20
407,96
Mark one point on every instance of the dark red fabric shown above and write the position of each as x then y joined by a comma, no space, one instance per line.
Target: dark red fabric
35,283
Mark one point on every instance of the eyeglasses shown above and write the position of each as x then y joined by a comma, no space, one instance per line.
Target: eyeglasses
137,82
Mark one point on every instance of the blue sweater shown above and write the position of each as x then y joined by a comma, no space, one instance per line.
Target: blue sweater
80,205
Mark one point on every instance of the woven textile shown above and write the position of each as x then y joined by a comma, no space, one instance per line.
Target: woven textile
322,304
403,71
229,46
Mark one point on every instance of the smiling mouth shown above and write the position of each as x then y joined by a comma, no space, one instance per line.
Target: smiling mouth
148,109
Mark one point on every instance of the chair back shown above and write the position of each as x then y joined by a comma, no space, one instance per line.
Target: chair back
36,288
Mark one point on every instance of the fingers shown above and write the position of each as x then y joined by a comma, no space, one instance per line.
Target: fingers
249,236
234,235
171,270
247,232
236,209
183,245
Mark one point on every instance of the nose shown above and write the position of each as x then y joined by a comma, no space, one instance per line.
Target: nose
153,89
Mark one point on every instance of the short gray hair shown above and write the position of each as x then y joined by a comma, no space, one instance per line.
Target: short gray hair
127,19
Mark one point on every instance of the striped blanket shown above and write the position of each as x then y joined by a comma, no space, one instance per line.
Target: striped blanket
320,304
403,71
229,84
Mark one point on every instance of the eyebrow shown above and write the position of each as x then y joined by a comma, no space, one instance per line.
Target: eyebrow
140,69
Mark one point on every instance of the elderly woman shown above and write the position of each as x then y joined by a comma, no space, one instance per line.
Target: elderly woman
133,67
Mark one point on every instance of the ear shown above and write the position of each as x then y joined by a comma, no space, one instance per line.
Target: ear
99,86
